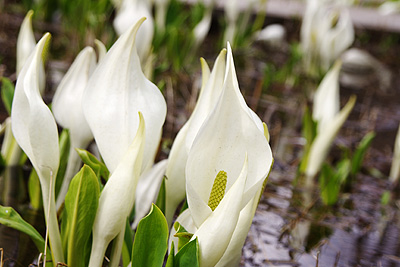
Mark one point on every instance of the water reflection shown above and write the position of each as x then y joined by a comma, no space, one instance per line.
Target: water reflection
292,228
19,250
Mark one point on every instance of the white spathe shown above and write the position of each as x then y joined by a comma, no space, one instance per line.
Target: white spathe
320,146
326,32
127,15
221,144
67,101
329,120
33,124
117,198
147,190
116,92
25,45
67,109
35,130
210,91
327,98
229,140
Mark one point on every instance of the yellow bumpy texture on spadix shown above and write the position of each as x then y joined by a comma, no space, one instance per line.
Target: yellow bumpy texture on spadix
218,190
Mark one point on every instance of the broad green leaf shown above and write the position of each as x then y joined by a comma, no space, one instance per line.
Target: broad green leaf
360,152
9,217
98,167
188,255
160,202
64,153
34,190
151,240
81,204
7,93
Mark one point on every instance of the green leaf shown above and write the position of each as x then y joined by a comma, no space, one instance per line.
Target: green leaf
188,255
331,180
343,169
151,240
171,256
329,188
34,190
98,167
81,204
7,93
64,142
160,202
128,237
9,217
126,255
359,154
309,132
182,235
386,196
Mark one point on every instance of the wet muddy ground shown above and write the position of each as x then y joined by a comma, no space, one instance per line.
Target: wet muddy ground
291,226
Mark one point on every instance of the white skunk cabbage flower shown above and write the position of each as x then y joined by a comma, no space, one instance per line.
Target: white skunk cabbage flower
227,165
329,122
327,98
25,45
26,41
120,188
127,15
209,93
325,33
395,169
67,109
147,190
335,37
35,130
212,86
117,90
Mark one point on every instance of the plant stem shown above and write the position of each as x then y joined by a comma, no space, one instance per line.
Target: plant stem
97,254
49,206
117,249
72,168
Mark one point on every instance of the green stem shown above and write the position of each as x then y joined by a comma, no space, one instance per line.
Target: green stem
72,168
97,254
49,204
117,249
